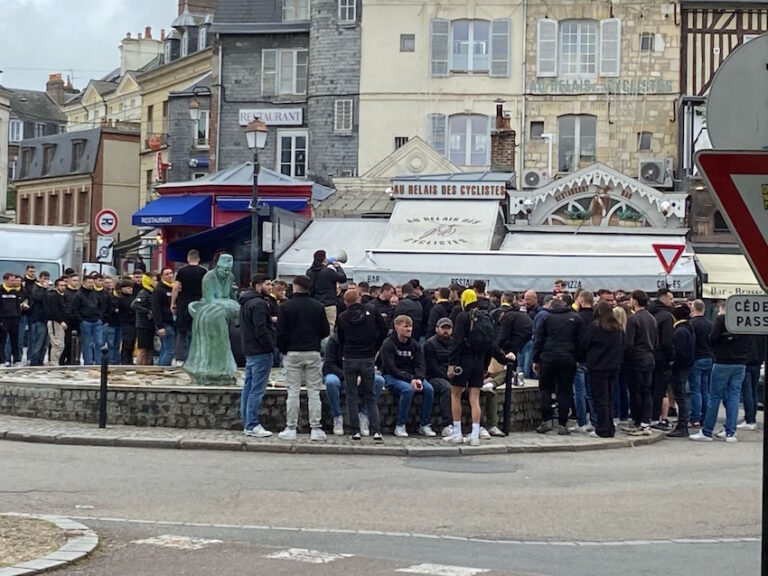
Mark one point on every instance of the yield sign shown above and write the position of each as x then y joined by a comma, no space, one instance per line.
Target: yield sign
739,185
668,255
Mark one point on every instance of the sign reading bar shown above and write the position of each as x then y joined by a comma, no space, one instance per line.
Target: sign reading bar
746,314
452,190
272,116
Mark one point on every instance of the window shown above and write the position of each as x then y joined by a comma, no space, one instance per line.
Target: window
578,49
82,206
67,214
62,129
292,152
11,170
165,117
39,130
469,46
347,11
537,129
407,42
295,10
644,141
647,41
201,130
202,39
284,72
48,154
38,211
720,224
77,154
16,131
400,141
184,44
342,116
26,161
468,137
149,180
197,175
576,142
24,209
167,52
150,118
53,209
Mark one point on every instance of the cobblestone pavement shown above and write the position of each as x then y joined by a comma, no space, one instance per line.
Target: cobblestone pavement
38,430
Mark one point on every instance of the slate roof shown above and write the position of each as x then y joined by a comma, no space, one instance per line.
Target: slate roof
34,105
239,175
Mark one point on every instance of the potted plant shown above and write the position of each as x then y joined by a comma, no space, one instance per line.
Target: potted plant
576,215
629,217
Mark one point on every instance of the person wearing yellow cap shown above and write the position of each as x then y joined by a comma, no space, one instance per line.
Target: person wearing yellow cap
145,326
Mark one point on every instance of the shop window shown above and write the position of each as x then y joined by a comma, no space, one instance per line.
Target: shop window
292,152
469,137
644,141
284,72
720,224
407,42
295,10
537,129
576,141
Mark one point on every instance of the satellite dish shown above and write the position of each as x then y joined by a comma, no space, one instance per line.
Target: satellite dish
737,104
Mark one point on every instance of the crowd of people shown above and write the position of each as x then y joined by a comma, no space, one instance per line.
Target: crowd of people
606,358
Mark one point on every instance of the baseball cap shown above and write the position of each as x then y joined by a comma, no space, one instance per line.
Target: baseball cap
444,322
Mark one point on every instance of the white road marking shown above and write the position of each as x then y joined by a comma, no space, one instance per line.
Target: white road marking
180,542
441,570
306,555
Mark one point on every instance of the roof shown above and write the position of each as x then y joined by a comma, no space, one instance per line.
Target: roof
203,81
239,175
187,18
461,177
297,26
35,105
104,87
113,76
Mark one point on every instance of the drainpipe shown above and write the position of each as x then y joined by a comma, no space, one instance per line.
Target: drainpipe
523,107
219,99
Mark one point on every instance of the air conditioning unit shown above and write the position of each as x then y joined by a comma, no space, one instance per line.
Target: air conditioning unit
535,178
656,172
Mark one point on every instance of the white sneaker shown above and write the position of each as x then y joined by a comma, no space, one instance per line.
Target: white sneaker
484,434
287,434
700,437
580,429
720,434
447,431
494,431
365,425
747,426
731,439
427,431
593,434
400,432
317,435
338,426
179,363
455,439
258,432
474,441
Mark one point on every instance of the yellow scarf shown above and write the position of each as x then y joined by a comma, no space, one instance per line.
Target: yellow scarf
147,283
170,285
11,288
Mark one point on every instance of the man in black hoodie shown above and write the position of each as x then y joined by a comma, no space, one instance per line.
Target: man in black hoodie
87,308
72,321
582,387
410,305
685,354
324,280
57,324
163,317
699,375
258,337
639,356
10,311
440,309
382,306
361,332
37,319
661,310
555,353
749,388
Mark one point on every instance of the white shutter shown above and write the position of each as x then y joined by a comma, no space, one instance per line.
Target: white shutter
268,72
500,47
610,47
436,129
440,46
546,48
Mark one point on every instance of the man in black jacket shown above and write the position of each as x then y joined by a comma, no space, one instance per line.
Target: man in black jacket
582,387
325,280
440,309
755,357
555,353
302,323
145,326
639,356
437,357
699,375
57,323
127,319
87,308
258,337
163,317
661,310
73,323
361,332
410,305
10,311
382,306
37,319
685,354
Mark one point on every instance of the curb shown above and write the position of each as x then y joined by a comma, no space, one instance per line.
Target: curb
235,445
81,542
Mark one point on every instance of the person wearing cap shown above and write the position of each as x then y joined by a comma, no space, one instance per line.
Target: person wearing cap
437,352
684,339
88,309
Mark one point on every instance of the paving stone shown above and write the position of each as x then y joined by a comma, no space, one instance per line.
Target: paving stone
200,444
85,440
148,442
39,564
13,571
418,451
60,556
281,447
467,450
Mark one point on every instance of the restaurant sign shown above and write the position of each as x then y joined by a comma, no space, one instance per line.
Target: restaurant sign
608,86
272,116
449,190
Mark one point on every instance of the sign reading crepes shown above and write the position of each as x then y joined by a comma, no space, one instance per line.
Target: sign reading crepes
452,190
272,116
746,314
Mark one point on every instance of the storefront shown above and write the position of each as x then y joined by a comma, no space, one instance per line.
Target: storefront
724,275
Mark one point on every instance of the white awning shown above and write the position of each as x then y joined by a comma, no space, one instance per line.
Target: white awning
727,274
353,235
441,225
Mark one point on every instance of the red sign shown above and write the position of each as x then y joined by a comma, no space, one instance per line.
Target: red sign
668,255
155,142
739,185
106,222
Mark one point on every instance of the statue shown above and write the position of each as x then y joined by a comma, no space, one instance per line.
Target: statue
210,361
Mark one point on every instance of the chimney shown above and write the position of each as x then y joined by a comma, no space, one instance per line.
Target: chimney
503,142
68,88
148,33
128,35
55,88
138,35
162,35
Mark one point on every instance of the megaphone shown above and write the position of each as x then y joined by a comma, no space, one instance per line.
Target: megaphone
341,257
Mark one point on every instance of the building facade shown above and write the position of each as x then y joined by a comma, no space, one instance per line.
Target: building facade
5,118
188,137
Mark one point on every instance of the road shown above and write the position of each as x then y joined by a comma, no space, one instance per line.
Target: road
590,513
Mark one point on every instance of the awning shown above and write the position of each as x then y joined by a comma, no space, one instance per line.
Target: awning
442,225
727,274
535,261
241,204
175,211
211,241
353,235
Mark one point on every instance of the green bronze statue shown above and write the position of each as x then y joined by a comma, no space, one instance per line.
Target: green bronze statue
210,361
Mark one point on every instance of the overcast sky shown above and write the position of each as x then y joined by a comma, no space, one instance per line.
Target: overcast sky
74,37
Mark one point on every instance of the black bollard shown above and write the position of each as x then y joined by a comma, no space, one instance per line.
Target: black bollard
510,374
103,390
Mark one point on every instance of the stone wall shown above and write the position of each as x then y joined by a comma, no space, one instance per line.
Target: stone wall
208,407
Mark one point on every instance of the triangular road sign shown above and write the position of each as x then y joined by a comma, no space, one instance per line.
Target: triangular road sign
668,255
739,184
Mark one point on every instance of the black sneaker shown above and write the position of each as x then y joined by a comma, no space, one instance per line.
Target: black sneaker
679,432
664,425
563,431
378,437
544,427
356,436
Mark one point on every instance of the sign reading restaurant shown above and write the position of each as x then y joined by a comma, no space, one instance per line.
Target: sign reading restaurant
452,190
272,116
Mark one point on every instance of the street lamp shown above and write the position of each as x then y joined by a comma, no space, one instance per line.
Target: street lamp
194,109
256,135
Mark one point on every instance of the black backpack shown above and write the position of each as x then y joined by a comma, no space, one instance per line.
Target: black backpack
481,331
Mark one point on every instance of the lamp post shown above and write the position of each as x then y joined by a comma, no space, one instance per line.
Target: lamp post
256,135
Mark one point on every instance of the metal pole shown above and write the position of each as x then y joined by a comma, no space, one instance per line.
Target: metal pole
510,373
255,214
103,389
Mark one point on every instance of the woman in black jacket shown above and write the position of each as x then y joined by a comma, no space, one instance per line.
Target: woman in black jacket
602,350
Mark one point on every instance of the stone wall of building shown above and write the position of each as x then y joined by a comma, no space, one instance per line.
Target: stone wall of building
209,407
181,138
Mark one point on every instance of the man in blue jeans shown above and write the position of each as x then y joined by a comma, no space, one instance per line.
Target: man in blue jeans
87,308
403,367
163,317
698,377
730,352
258,337
582,387
749,388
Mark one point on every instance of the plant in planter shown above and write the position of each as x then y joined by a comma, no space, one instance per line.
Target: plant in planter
630,217
576,215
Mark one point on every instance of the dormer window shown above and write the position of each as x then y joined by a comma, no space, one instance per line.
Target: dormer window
26,161
49,151
202,39
185,44
78,146
168,50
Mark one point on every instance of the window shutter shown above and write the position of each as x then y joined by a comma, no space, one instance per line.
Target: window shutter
610,47
269,72
546,48
436,131
440,47
500,47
